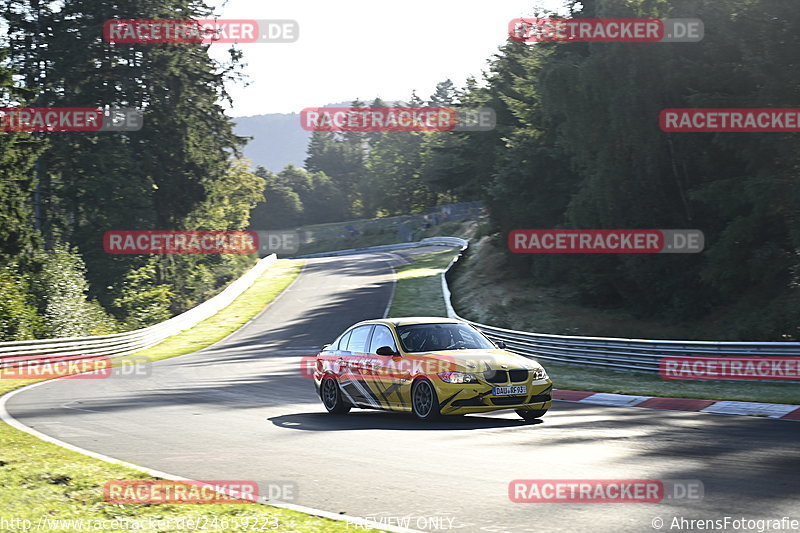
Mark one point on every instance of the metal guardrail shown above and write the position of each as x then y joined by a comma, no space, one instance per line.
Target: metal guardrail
639,355
14,352
628,354
430,241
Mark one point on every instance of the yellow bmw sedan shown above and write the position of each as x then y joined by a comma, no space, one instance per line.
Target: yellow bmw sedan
429,366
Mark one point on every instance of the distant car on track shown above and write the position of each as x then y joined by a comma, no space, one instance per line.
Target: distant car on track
428,366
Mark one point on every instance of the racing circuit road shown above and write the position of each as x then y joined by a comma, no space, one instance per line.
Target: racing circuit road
240,410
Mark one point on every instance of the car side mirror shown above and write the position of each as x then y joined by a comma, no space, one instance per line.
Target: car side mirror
325,347
500,344
386,350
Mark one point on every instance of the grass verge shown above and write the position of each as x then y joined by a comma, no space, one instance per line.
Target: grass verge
602,380
49,486
419,286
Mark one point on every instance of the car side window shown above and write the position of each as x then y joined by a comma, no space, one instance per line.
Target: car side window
358,340
342,343
382,336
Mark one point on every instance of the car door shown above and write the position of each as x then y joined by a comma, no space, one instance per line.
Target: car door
386,370
352,361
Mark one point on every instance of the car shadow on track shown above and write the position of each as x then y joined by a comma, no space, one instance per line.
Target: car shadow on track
392,421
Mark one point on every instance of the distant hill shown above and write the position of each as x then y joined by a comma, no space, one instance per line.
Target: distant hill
278,139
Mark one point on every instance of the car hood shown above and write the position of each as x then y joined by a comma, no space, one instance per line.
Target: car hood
478,360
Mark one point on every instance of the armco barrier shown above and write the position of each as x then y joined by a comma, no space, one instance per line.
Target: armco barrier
118,344
620,354
430,241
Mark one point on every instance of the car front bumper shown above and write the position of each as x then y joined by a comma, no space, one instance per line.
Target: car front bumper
460,399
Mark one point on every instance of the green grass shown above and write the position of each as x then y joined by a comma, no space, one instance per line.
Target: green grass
39,480
639,383
419,286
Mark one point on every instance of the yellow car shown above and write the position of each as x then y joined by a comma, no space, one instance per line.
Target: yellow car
429,366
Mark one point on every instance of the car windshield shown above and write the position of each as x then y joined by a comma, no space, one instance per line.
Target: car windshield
438,337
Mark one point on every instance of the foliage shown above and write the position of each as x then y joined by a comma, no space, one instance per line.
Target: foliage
180,171
18,317
60,289
144,301
578,146
296,196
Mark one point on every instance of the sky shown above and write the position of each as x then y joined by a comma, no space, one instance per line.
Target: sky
351,49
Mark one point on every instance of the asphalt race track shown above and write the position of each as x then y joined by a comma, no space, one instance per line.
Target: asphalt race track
241,410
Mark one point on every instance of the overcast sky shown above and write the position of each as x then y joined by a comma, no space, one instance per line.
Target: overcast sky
366,48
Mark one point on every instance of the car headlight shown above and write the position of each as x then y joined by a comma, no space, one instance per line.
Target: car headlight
539,373
457,377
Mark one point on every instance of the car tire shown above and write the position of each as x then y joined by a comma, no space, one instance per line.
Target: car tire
531,414
424,402
332,398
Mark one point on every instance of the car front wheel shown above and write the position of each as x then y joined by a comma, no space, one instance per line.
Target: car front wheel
332,397
424,402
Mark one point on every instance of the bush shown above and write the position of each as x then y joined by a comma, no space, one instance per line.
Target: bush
60,288
144,302
19,320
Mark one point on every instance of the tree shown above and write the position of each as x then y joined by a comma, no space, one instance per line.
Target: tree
341,157
18,153
444,95
175,173
19,320
282,207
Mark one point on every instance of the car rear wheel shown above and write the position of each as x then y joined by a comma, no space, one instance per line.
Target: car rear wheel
332,397
424,401
531,414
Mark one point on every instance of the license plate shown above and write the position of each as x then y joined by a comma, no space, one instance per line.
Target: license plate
510,391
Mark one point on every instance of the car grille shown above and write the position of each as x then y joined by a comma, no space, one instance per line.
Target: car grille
496,376
502,376
518,375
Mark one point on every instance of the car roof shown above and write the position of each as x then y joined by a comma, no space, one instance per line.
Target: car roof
411,320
